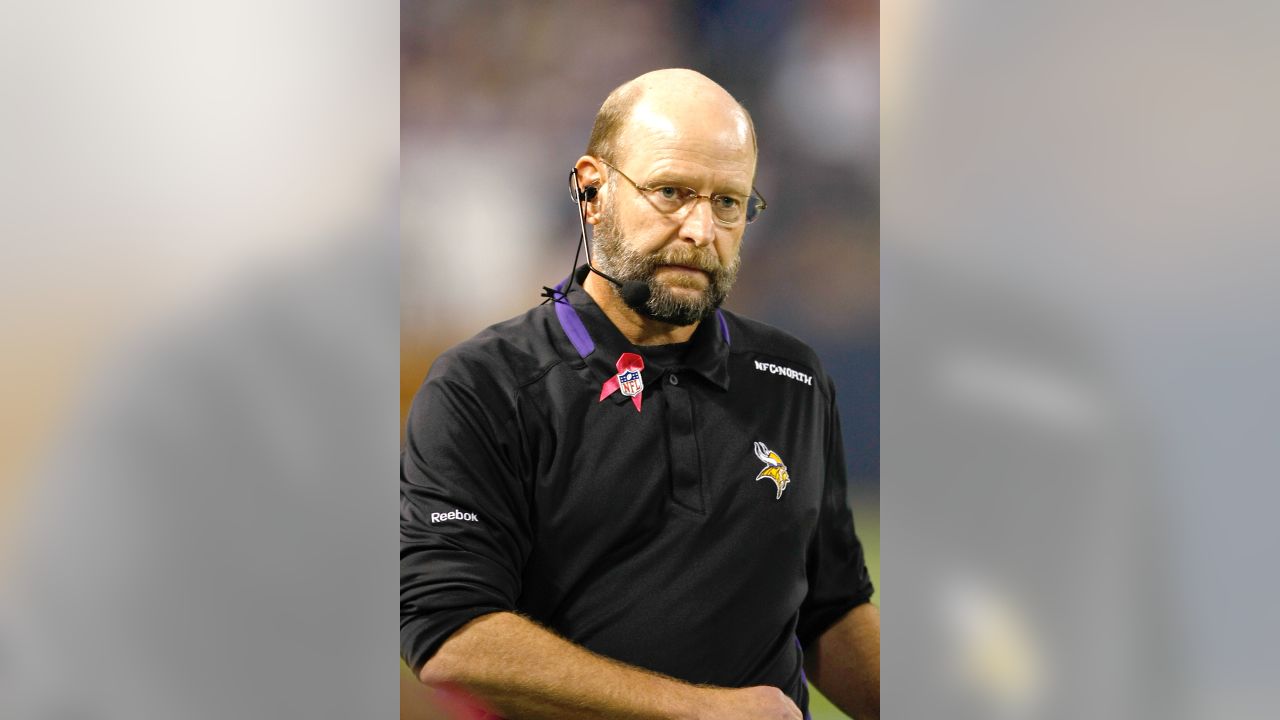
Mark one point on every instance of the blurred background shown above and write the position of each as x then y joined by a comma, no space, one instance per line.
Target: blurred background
198,304
199,223
1079,340
497,104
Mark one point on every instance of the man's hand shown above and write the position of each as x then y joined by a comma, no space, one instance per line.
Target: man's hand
763,702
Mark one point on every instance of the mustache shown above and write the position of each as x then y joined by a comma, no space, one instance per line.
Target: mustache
706,261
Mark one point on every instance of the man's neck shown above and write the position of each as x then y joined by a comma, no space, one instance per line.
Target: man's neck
637,328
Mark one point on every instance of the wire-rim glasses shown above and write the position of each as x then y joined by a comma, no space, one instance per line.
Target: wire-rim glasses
727,209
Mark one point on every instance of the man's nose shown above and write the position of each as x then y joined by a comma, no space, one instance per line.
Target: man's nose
699,225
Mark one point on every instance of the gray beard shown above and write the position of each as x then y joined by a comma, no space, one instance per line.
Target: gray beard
615,257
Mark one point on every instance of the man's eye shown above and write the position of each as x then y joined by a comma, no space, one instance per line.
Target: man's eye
667,192
727,203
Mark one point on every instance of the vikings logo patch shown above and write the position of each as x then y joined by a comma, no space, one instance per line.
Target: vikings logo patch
774,469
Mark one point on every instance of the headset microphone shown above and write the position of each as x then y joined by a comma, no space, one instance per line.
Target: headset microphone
635,293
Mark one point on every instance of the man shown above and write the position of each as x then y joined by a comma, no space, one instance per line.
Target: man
615,509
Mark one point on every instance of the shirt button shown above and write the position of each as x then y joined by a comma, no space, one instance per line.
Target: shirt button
674,380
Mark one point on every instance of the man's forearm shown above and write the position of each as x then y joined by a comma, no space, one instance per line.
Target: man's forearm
521,670
844,663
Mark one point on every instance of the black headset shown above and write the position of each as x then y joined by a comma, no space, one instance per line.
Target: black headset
634,292
578,194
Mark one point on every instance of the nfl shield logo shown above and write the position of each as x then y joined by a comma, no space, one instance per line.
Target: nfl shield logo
630,382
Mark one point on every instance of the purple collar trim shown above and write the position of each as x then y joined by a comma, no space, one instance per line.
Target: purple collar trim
572,325
724,326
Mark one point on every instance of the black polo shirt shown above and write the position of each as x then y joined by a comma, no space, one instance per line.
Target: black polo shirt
650,536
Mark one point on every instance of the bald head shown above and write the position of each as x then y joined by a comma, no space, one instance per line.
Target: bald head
666,100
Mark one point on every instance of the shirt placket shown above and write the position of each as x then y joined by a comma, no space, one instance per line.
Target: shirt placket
686,462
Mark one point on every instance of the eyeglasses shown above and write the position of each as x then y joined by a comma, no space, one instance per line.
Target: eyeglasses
673,199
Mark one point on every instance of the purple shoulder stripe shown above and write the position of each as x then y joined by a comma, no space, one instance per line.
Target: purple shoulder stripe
572,324
724,326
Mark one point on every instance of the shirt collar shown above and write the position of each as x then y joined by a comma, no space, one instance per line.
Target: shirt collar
593,337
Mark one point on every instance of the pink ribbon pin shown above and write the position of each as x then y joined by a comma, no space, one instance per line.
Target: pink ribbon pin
628,379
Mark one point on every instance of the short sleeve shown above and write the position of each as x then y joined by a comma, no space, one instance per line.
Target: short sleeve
464,512
836,567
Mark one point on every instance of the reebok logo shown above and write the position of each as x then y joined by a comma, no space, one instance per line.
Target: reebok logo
454,515
784,372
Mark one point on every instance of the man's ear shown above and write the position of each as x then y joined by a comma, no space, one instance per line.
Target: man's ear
591,175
